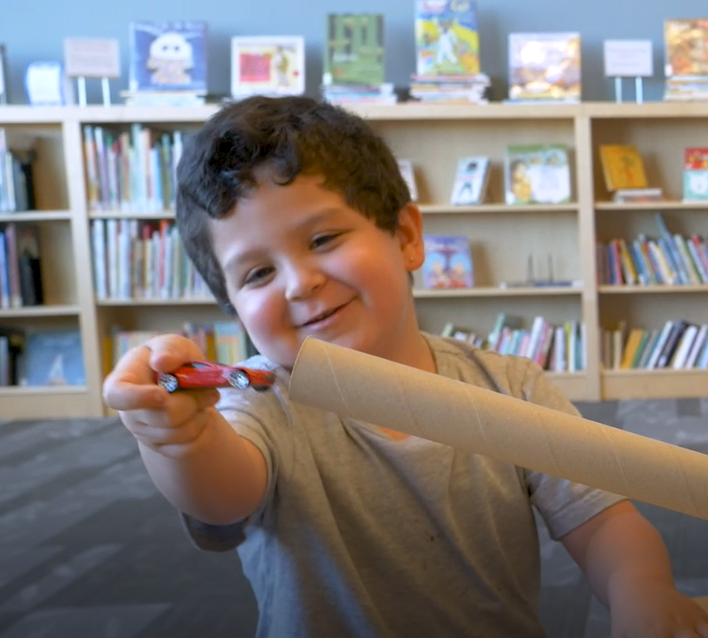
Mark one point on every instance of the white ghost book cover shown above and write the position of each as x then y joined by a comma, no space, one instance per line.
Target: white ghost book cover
168,56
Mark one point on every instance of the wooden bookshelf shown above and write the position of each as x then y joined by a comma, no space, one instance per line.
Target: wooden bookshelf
433,137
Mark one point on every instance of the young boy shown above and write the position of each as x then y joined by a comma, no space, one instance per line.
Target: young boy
297,216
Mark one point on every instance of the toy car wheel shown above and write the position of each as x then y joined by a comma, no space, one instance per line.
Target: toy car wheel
239,379
168,381
260,388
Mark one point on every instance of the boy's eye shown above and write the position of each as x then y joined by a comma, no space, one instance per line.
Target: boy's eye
257,275
321,240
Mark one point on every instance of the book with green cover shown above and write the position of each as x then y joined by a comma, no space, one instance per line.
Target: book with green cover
537,174
354,49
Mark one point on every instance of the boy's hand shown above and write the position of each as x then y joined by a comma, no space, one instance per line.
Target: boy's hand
656,610
170,424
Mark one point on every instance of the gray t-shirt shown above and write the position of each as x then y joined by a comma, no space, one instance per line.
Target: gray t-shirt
361,535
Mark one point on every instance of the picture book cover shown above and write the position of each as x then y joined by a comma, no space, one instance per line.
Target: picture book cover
354,49
265,65
54,358
544,66
686,43
471,178
168,56
446,38
448,262
695,175
537,174
408,174
622,167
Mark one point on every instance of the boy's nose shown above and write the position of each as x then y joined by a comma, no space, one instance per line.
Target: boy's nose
302,280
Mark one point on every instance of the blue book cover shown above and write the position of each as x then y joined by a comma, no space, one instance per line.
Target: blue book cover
448,262
54,359
168,56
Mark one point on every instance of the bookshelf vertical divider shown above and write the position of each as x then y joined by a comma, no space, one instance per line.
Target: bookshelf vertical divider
83,262
586,243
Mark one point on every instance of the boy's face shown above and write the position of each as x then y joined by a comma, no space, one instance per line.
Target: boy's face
299,262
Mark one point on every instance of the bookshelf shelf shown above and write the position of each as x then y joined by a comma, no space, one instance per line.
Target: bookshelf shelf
36,216
122,215
59,310
653,384
504,238
108,303
651,206
653,290
24,391
521,291
486,209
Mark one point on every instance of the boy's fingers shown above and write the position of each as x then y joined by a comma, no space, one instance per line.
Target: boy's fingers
167,354
131,385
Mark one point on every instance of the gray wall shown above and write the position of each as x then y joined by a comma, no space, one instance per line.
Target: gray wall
33,30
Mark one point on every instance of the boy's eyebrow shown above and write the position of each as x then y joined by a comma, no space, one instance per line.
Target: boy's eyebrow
322,214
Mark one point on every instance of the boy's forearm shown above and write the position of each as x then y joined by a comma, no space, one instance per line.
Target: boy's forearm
214,478
626,554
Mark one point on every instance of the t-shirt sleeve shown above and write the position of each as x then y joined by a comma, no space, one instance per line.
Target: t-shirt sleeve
248,419
563,504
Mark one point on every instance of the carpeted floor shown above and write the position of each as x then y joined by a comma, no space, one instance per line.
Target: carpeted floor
89,549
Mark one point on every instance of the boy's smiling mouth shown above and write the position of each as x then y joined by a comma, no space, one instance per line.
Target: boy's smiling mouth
322,317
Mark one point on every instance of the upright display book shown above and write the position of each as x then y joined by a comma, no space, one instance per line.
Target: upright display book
686,42
354,49
537,174
695,175
471,178
622,167
168,56
54,358
544,66
4,78
265,65
448,262
446,38
408,174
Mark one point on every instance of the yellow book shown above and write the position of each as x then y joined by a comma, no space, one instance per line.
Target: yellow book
630,348
622,167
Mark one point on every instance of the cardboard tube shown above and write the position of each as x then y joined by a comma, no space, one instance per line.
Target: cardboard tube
480,421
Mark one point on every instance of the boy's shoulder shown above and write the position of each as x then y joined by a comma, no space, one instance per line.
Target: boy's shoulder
507,374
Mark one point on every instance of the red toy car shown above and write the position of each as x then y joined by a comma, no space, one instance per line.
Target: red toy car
205,374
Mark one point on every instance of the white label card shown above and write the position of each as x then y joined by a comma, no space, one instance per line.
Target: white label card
628,58
91,58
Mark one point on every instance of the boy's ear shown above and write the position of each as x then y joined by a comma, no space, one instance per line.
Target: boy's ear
410,236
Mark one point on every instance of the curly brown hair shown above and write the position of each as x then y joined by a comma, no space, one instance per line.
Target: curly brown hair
289,136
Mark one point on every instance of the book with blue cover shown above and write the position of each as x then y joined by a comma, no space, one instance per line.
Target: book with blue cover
448,262
168,56
54,359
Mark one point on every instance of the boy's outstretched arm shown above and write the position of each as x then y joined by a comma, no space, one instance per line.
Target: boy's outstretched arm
628,567
192,454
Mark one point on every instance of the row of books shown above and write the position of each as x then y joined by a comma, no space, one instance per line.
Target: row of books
20,266
670,259
558,348
36,359
135,259
131,171
677,345
16,179
220,341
